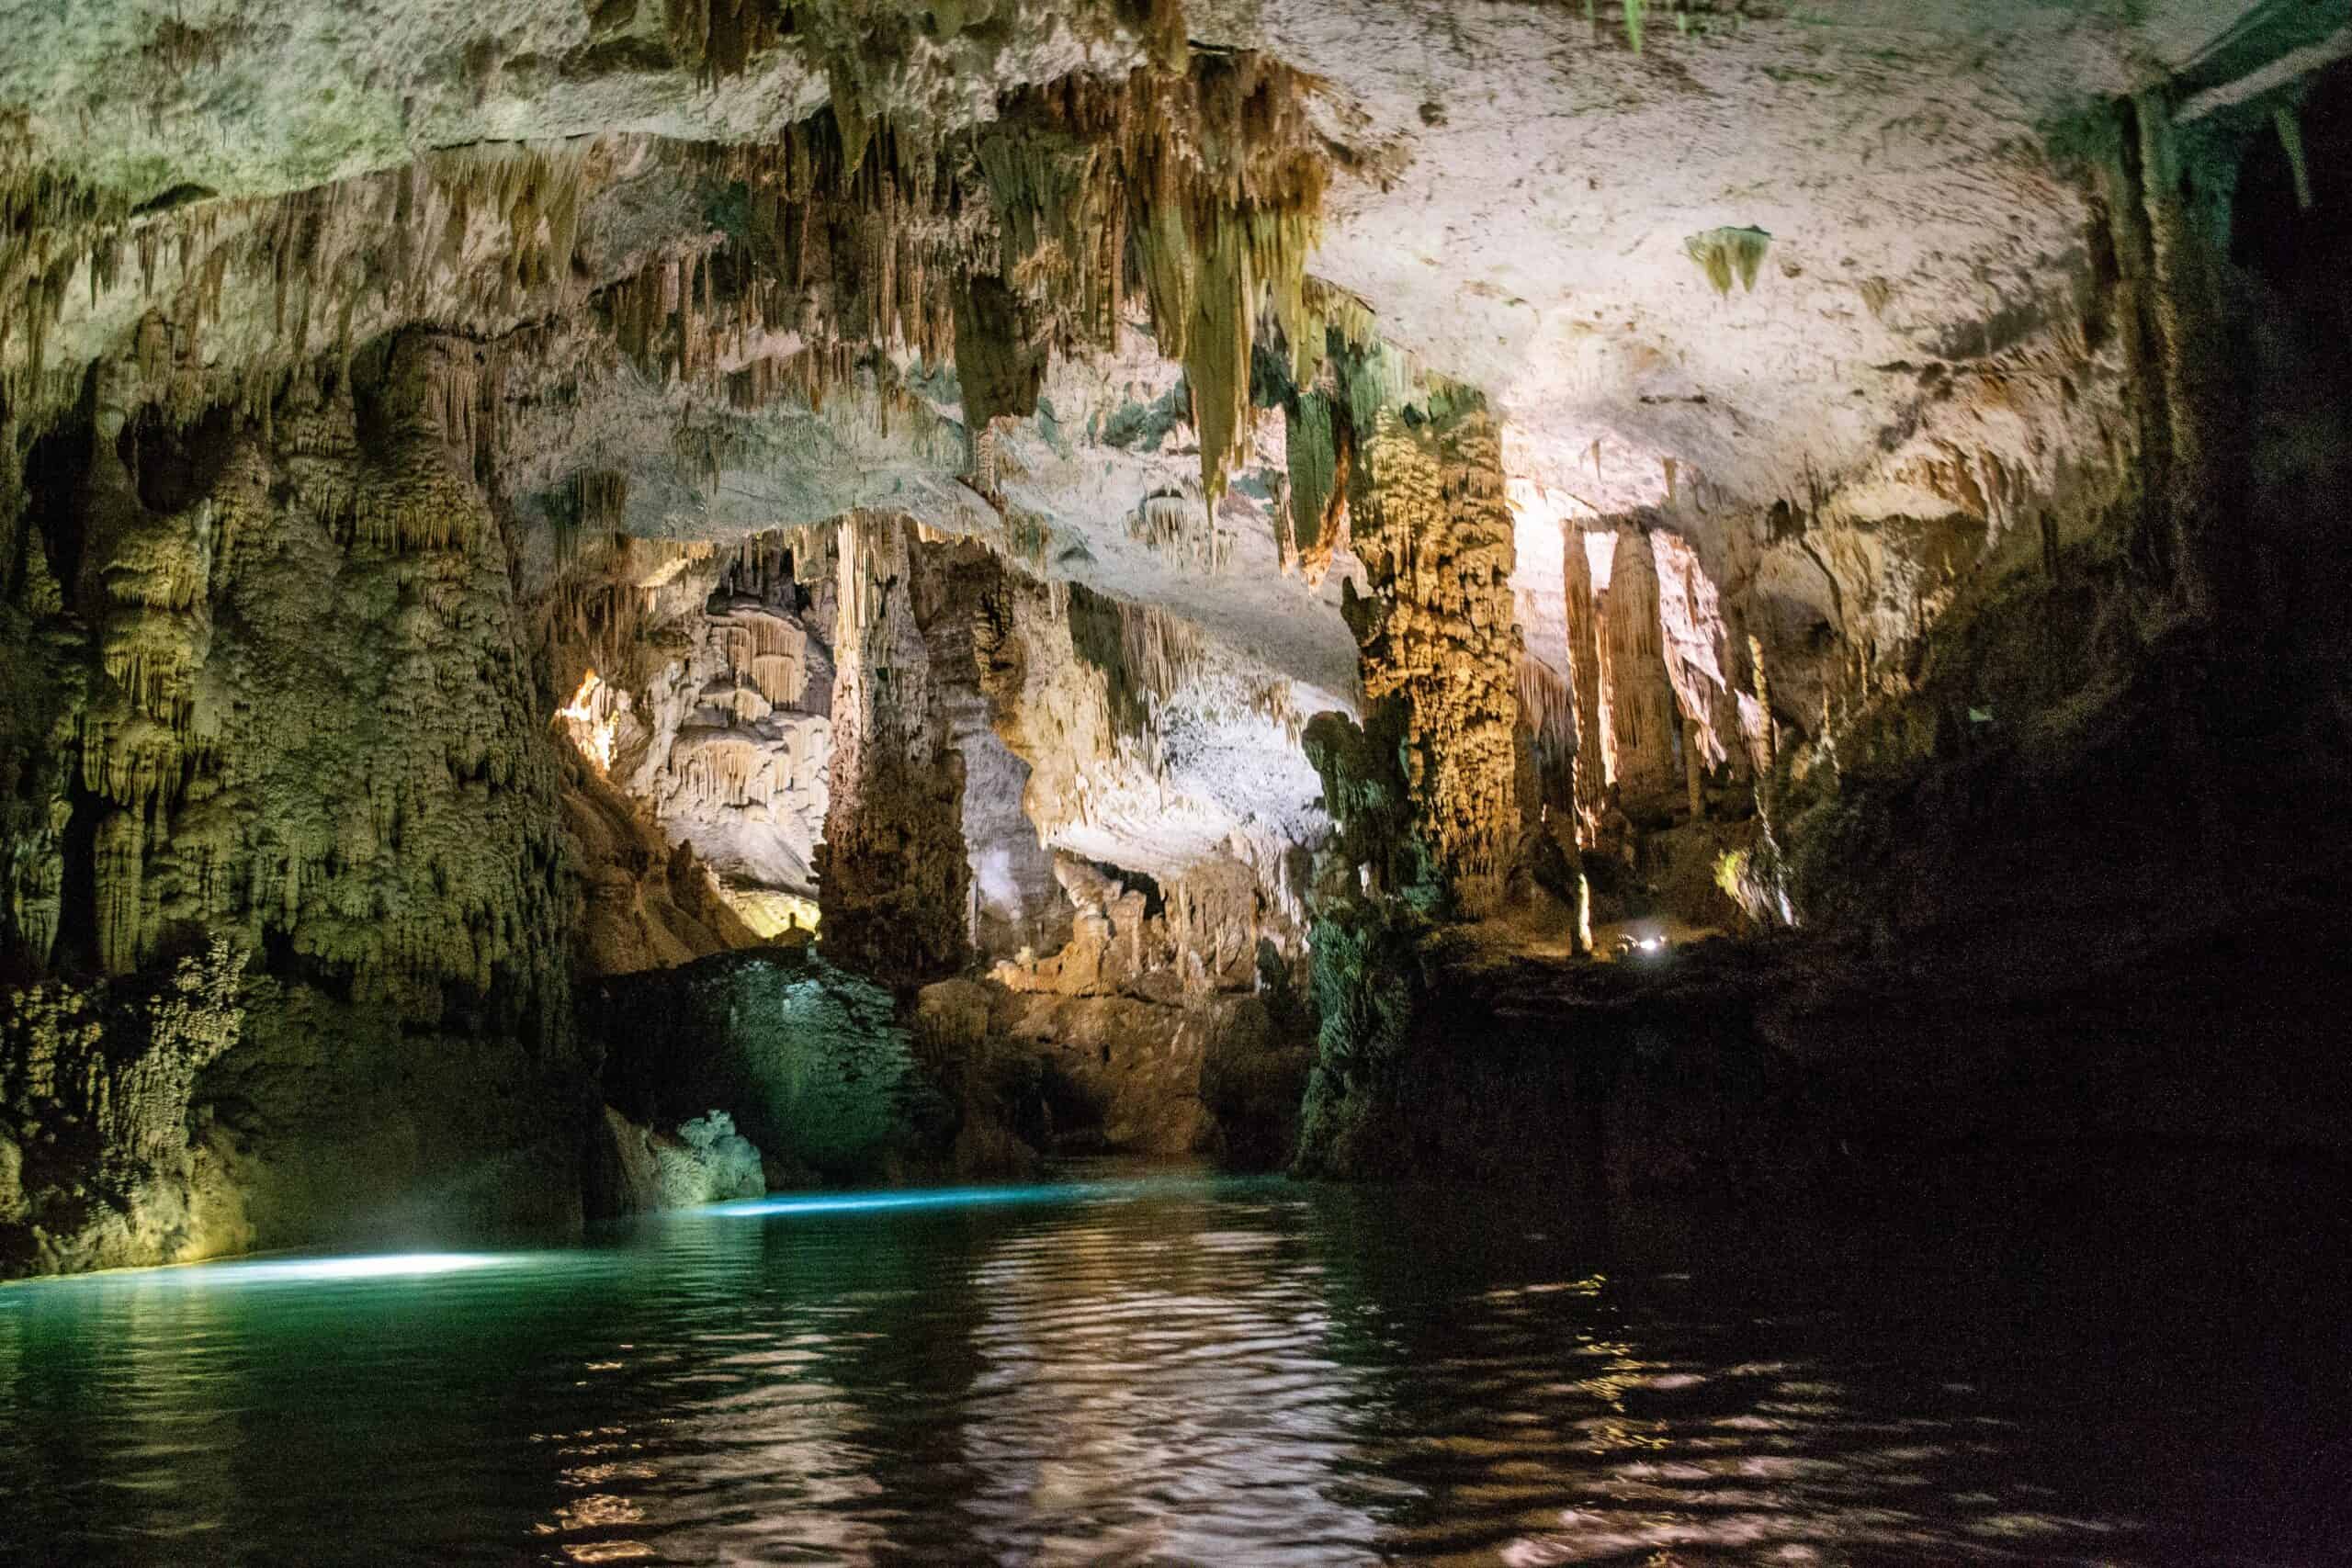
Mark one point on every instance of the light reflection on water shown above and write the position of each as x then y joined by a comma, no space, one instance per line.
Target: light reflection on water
1180,1371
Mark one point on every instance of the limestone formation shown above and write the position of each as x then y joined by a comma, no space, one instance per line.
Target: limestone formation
1436,540
99,1161
1587,655
637,1171
893,882
1644,720
1062,498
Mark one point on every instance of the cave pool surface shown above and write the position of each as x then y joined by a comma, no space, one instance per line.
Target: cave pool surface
1171,1367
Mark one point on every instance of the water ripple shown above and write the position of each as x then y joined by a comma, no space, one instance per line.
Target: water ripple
1173,1371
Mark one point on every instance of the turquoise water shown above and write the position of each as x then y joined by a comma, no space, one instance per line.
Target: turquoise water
1179,1369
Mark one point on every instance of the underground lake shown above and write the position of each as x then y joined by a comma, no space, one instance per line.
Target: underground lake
1177,1368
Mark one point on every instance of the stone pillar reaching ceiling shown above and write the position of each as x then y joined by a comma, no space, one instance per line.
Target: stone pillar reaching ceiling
893,884
1642,711
1587,674
1435,535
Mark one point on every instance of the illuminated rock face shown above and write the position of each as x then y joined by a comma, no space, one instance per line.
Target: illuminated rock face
742,747
97,1168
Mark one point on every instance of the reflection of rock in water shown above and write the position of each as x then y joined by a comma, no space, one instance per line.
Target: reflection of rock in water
1152,1393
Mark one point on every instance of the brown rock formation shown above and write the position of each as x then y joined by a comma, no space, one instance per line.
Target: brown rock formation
1588,673
1112,1073
1436,540
644,903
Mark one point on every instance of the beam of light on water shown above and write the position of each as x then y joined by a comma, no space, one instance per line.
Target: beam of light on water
417,1265
285,1270
380,1266
941,1198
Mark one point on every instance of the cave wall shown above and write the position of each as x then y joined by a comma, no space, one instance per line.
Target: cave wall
301,719
2127,712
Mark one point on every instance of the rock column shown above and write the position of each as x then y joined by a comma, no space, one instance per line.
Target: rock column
1588,674
893,882
1435,535
1642,709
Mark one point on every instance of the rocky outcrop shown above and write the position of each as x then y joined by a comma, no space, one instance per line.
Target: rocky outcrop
1095,1073
1588,672
637,1170
1118,1041
644,903
1199,935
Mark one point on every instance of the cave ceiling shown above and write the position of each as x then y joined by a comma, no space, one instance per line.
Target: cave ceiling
206,197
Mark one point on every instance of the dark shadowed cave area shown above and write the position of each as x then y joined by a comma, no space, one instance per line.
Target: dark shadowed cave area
1226,782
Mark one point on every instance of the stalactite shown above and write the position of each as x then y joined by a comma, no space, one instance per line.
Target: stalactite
482,234
1219,178
1145,653
1697,654
1181,533
1722,252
